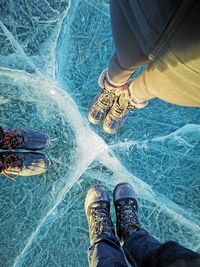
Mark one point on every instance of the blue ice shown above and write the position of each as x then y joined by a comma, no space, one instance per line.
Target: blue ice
51,53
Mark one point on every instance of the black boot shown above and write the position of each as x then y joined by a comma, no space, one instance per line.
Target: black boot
97,209
23,139
126,210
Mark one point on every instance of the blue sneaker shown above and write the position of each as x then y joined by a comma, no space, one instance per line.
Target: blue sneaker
22,138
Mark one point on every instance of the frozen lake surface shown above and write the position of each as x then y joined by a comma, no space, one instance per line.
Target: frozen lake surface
51,53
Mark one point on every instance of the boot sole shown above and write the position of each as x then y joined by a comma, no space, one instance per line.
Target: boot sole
108,130
92,120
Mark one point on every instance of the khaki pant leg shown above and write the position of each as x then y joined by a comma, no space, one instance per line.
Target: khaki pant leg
169,79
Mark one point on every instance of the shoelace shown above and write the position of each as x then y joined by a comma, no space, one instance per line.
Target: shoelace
127,217
106,99
11,161
120,107
102,221
12,139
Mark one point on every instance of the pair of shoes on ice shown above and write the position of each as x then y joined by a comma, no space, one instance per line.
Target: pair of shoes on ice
112,105
97,209
13,163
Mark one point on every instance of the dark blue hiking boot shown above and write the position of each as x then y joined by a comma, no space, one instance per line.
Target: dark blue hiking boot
126,210
30,139
97,209
13,164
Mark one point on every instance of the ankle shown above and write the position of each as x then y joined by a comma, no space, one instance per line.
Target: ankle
114,83
139,92
135,104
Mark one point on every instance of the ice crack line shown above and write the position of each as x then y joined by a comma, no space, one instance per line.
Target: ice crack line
18,47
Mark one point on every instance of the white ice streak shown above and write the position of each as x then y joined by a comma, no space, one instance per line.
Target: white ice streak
18,47
179,136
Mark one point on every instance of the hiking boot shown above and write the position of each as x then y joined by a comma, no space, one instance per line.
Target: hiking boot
23,139
97,209
101,104
126,211
24,164
116,116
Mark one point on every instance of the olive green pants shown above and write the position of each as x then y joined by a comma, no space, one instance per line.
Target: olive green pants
169,79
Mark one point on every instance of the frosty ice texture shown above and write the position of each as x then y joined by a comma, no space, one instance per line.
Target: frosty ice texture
51,53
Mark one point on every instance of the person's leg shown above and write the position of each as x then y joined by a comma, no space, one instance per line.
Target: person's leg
112,105
114,80
105,250
169,79
139,246
139,91
148,251
129,56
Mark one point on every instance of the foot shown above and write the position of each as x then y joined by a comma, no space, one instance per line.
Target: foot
97,209
102,102
116,116
24,164
23,139
126,211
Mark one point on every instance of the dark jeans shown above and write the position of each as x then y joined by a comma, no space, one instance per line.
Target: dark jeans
141,250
